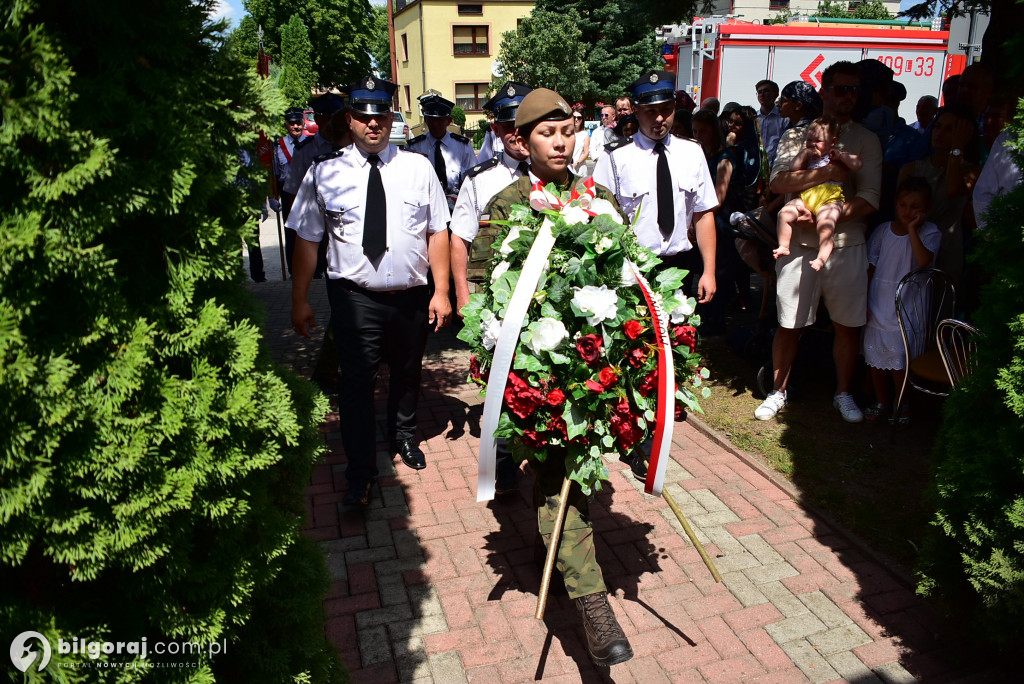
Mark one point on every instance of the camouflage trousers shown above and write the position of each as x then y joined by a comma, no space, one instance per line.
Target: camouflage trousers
577,556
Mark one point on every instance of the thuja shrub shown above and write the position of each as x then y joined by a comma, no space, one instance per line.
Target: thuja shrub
152,458
975,559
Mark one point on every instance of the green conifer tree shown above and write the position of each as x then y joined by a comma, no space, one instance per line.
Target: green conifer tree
152,459
297,78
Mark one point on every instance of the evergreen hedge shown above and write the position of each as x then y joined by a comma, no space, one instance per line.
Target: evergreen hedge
975,559
152,458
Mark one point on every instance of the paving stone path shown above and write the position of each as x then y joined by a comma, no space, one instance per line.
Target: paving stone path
430,586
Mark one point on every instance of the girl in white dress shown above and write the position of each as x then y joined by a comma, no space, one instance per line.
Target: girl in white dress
895,249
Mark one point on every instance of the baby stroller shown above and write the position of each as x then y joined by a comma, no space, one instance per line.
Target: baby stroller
755,239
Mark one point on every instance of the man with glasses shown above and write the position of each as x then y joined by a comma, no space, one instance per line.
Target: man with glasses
385,213
843,282
770,122
603,134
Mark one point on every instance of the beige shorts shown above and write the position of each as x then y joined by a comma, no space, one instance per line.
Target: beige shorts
843,282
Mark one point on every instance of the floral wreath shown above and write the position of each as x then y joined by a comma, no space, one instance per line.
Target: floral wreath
584,374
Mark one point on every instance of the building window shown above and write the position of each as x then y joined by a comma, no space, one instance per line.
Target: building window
469,40
405,47
408,99
778,4
471,96
471,9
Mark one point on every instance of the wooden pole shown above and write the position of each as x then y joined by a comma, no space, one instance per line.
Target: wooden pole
549,560
690,533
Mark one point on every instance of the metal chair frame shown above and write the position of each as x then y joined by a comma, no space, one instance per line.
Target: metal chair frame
958,345
923,298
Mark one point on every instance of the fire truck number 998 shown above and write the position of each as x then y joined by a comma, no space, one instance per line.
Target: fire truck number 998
911,66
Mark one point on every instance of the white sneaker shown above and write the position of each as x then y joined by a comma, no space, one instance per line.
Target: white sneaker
846,406
772,404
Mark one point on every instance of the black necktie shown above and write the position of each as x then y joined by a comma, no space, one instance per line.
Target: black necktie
442,173
666,205
375,222
523,168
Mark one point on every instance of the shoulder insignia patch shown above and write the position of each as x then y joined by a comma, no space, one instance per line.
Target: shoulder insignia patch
460,138
482,166
419,138
329,155
612,146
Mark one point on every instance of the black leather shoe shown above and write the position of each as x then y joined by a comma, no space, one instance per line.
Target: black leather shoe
411,454
605,639
639,467
358,494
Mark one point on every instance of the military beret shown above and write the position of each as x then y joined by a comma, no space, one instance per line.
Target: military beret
542,104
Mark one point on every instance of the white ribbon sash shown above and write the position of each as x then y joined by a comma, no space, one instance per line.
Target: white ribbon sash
504,352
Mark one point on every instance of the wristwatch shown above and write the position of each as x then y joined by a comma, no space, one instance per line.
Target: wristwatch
955,152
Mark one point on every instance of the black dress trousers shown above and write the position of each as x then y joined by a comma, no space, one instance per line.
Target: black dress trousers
371,327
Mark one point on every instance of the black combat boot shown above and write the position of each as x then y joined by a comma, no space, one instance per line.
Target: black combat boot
605,640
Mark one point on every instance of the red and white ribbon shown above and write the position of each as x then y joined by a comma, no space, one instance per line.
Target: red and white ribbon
664,419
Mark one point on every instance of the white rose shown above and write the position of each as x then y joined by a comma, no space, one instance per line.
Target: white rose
600,302
628,276
603,207
492,328
684,310
573,214
546,334
498,271
513,234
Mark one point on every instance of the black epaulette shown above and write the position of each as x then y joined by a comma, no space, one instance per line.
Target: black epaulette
481,167
418,138
328,155
305,139
612,146
460,138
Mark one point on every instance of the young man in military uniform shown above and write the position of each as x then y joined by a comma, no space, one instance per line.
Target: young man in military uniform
450,154
385,214
663,184
546,132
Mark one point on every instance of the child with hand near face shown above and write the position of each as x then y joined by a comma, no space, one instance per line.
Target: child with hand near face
895,249
824,201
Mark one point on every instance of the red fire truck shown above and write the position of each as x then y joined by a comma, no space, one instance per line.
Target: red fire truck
725,57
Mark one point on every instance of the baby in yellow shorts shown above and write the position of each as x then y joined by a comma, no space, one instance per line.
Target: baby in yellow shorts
824,201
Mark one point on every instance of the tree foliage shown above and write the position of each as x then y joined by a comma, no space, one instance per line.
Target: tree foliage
979,480
617,40
153,458
339,30
297,78
545,51
380,42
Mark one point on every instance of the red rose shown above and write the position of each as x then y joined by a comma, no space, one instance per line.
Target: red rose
633,328
557,424
589,347
684,334
648,384
608,376
522,399
534,439
623,424
475,371
555,398
637,357
594,386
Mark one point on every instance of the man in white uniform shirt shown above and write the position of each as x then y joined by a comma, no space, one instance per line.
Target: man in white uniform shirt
450,154
471,248
663,185
385,214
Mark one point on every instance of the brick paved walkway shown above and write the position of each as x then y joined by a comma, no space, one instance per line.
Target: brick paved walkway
430,586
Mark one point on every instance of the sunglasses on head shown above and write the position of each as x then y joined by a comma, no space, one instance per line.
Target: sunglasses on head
841,90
